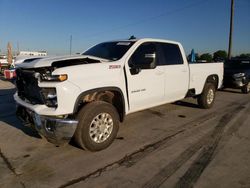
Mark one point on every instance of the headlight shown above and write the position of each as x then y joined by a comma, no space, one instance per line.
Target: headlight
49,96
56,78
45,74
238,75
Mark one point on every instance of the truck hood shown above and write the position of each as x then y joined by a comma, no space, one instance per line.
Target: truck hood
60,61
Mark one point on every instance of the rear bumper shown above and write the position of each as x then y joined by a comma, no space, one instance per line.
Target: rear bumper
55,130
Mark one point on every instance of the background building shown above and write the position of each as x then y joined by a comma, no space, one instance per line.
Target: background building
32,53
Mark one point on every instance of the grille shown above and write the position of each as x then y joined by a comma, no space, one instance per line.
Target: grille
27,86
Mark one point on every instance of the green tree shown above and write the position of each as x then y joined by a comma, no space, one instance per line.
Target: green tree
244,56
220,55
207,57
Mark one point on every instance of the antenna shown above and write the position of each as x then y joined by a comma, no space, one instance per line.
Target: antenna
132,37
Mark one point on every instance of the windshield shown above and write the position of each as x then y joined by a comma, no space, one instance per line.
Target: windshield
110,50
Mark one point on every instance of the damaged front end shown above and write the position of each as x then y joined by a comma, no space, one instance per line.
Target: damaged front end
27,84
56,130
41,96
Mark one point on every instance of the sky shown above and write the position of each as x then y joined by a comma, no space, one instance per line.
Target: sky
48,24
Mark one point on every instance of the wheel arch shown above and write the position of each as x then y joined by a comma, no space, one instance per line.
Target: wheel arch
214,79
113,95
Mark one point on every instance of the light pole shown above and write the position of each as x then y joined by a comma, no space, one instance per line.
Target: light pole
70,45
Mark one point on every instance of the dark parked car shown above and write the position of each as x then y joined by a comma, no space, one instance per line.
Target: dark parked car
237,74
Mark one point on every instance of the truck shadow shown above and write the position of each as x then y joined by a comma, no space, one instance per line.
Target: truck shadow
186,104
8,113
227,90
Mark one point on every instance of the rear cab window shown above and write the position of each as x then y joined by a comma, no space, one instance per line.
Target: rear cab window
171,54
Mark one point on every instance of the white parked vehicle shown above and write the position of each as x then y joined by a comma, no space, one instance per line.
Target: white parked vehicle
87,96
3,63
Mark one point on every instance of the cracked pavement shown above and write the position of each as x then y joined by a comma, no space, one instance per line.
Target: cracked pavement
173,145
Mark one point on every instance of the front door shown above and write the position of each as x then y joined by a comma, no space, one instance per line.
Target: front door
146,86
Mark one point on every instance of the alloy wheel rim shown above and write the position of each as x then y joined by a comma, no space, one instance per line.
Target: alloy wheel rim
210,96
101,127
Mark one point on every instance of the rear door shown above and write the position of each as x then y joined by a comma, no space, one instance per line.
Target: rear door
176,72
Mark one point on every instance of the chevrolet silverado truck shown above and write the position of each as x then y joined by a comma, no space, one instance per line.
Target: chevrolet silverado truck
86,97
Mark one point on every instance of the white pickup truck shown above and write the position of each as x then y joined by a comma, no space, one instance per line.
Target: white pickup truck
85,97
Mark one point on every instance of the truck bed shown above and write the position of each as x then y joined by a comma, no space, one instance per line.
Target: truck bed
200,71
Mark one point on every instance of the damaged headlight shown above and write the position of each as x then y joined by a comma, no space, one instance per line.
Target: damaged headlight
49,96
45,74
56,78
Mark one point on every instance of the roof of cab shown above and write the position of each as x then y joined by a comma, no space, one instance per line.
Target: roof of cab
146,40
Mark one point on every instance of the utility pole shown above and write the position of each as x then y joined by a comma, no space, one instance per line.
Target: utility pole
70,45
18,50
231,30
9,53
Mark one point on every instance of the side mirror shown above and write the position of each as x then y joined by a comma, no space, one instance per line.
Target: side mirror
150,61
146,61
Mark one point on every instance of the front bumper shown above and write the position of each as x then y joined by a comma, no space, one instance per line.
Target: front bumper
55,130
235,82
238,83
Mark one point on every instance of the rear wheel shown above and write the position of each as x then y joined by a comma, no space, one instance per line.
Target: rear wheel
98,126
246,88
207,97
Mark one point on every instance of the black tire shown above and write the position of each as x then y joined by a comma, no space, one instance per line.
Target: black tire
203,98
246,88
90,113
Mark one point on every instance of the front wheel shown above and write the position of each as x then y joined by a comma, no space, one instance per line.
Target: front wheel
207,97
246,88
98,126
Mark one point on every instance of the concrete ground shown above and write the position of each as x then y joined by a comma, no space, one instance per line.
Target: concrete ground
173,145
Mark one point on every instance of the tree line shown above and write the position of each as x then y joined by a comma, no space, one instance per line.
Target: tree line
220,55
